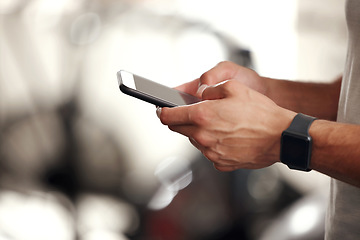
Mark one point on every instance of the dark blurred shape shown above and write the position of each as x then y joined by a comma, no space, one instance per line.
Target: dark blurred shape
305,219
63,176
29,146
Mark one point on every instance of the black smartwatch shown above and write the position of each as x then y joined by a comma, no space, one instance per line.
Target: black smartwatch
296,143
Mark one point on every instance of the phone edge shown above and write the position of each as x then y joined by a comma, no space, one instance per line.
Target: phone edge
145,97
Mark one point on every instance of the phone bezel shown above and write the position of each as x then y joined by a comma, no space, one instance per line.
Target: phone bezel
127,85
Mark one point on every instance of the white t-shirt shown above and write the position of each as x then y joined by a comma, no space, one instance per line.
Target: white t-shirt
343,216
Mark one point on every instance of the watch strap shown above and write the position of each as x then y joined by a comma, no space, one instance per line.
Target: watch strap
301,124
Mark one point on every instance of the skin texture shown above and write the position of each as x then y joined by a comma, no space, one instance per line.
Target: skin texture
240,120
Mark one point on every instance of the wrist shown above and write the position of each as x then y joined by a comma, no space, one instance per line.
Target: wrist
283,120
320,128
267,86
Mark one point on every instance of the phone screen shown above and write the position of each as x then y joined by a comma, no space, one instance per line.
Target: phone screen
153,92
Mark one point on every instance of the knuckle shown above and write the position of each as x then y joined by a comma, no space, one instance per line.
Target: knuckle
223,168
212,156
206,78
201,138
201,116
225,63
220,168
228,66
230,85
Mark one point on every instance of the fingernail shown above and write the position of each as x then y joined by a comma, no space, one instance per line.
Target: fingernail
201,89
158,111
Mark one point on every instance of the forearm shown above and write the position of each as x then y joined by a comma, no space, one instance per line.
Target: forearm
315,99
336,150
336,146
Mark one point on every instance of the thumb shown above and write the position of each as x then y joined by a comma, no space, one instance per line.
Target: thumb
219,91
200,90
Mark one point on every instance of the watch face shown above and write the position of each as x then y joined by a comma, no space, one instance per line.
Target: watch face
295,150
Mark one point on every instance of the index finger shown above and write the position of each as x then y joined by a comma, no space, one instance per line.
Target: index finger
176,115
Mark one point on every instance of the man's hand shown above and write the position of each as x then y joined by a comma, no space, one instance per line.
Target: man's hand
240,120
234,126
222,72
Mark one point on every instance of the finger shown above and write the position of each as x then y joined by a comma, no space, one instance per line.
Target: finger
201,90
221,90
221,72
194,143
186,130
200,139
215,157
175,116
225,168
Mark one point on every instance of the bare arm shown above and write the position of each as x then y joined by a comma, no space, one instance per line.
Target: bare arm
336,150
237,127
315,99
336,146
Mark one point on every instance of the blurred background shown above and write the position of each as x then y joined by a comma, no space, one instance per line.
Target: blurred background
79,160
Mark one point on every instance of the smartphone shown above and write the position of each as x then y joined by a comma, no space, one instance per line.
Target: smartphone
152,92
